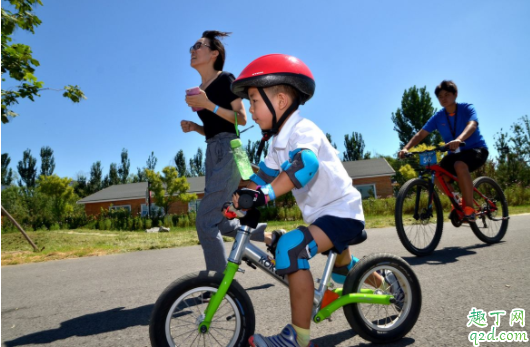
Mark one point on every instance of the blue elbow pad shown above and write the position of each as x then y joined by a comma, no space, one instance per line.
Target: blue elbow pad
265,175
301,167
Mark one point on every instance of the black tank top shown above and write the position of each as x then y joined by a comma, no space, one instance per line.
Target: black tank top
220,94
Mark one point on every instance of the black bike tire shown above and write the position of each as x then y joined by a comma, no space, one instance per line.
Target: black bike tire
504,224
195,280
400,227
352,311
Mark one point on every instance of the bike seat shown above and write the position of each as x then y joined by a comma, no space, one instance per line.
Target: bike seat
359,239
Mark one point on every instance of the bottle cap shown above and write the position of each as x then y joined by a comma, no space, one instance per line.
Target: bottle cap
235,143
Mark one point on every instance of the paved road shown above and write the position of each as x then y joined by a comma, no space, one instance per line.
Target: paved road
106,301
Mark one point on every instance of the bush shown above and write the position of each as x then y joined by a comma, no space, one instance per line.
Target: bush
184,221
55,226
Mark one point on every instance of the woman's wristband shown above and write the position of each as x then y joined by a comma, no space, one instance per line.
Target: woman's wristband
215,109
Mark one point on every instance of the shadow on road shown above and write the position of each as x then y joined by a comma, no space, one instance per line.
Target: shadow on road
265,286
335,339
445,256
90,324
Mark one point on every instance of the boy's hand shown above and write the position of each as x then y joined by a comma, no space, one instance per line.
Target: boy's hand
248,198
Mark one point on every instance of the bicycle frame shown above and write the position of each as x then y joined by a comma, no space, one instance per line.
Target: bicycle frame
438,173
244,250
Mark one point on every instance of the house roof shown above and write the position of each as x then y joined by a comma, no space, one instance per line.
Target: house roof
135,191
368,168
356,169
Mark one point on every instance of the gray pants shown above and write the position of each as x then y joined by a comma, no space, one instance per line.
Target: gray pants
222,179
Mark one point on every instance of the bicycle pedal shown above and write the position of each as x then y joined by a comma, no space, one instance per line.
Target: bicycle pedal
241,270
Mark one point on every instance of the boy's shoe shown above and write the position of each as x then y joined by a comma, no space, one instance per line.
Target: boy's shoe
276,234
469,214
338,274
394,288
287,338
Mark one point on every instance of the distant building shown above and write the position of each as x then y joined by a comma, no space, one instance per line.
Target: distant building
372,177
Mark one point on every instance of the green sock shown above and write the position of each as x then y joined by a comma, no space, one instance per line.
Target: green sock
302,336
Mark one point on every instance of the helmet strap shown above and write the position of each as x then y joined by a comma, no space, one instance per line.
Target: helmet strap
267,134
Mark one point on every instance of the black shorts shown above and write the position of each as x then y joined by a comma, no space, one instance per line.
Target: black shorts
474,158
340,230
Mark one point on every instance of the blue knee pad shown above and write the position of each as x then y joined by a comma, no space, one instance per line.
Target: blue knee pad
294,250
340,276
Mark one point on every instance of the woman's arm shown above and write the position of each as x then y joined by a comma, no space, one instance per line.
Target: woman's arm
201,100
188,126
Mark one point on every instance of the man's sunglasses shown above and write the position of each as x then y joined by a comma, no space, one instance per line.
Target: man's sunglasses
198,45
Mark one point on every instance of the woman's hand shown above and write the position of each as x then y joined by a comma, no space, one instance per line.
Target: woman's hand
198,101
188,126
235,200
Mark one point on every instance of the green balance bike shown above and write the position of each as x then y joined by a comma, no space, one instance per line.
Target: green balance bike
213,309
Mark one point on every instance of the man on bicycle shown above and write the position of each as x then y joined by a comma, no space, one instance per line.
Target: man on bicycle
457,123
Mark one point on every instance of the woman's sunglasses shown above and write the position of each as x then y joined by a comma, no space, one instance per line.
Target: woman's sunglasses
198,45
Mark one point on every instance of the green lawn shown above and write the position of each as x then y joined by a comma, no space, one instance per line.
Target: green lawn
76,243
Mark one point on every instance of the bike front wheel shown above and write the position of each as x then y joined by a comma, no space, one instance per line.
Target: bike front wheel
180,309
419,221
383,323
492,217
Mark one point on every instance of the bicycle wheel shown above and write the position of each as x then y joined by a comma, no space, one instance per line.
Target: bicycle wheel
180,309
419,231
492,211
383,323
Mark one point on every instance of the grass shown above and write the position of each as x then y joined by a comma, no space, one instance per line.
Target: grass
64,244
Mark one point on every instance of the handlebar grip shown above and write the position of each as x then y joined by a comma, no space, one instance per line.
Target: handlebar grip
245,201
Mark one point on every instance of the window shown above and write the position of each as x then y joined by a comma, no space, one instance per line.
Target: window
193,206
117,207
154,210
366,190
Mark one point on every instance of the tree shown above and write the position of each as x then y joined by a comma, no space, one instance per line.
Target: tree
328,136
151,162
180,163
27,170
18,61
47,164
81,188
123,170
96,176
197,164
252,151
514,154
416,109
7,172
354,147
113,177
169,188
61,192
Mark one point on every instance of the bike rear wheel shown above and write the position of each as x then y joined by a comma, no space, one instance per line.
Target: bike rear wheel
383,323
180,309
492,211
419,223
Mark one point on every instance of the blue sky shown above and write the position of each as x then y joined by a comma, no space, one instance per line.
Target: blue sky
132,61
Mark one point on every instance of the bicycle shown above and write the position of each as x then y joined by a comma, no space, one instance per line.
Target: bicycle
420,231
182,317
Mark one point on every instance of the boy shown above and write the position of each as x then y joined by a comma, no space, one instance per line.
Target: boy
300,159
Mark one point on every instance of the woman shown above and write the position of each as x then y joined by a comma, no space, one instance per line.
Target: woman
218,115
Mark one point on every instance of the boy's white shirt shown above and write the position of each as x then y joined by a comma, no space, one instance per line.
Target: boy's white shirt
331,191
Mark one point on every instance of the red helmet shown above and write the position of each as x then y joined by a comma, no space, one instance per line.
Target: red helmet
274,69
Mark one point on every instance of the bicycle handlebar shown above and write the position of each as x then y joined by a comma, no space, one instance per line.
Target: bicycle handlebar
437,149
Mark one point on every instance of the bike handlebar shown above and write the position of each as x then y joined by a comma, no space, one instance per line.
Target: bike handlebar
437,149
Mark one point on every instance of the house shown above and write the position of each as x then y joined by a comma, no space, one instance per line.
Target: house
372,177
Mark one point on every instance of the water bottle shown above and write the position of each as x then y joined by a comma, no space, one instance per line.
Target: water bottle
241,158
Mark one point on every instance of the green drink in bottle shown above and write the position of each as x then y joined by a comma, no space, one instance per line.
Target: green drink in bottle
241,158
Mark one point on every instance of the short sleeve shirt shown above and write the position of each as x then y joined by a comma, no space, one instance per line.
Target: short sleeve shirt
331,191
219,93
448,124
